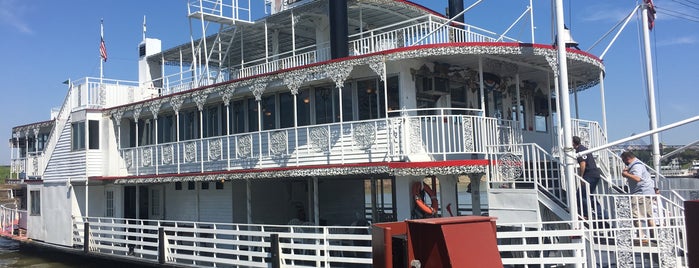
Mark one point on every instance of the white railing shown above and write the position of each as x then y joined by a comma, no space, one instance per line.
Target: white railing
440,136
216,244
220,8
96,93
403,34
553,244
659,240
13,222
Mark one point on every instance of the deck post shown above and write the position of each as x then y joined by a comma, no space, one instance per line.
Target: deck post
86,237
275,250
161,245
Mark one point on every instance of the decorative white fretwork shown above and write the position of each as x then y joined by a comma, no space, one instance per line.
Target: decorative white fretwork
176,102
378,66
415,134
227,94
190,152
395,126
128,160
117,115
147,157
320,138
294,80
200,99
244,147
258,88
364,135
167,155
469,140
215,149
137,112
154,108
624,231
509,166
278,143
339,72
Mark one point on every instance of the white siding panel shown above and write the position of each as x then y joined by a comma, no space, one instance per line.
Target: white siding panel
216,205
180,205
64,163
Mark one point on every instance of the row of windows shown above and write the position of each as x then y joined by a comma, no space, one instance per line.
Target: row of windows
78,137
204,185
361,100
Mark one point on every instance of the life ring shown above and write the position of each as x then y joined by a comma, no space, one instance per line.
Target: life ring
417,190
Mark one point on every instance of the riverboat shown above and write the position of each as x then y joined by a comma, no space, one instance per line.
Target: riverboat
279,141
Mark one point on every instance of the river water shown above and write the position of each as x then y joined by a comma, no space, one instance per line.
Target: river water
12,257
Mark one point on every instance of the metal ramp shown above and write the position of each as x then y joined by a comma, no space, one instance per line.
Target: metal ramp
212,52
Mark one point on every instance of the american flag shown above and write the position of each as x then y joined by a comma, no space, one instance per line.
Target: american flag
103,48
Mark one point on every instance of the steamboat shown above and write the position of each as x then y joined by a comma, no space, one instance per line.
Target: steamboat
279,141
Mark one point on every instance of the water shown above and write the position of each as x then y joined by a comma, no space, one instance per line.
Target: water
12,257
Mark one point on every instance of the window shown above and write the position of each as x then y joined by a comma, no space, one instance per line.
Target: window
253,124
178,185
237,117
35,199
78,136
191,185
211,122
166,129
109,196
205,185
155,202
286,110
268,112
303,108
189,125
368,99
326,104
347,101
219,185
93,130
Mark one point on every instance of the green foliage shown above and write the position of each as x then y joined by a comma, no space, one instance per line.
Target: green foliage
4,173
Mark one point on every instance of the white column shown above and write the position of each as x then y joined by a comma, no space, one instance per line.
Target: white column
177,134
228,133
201,139
567,151
136,162
155,147
519,101
651,89
604,105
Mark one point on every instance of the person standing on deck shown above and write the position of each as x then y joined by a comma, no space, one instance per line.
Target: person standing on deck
640,183
590,173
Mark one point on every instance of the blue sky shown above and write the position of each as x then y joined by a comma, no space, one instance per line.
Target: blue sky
46,42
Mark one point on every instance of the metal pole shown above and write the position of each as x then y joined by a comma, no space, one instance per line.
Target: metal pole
651,89
567,148
641,135
604,105
531,19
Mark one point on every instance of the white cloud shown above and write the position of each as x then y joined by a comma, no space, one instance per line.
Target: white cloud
682,40
11,12
605,13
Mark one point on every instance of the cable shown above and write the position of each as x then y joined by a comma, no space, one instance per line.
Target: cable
681,15
687,5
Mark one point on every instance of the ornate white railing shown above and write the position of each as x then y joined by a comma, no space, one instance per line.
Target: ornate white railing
440,136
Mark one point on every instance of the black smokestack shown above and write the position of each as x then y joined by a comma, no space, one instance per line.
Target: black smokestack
455,7
339,47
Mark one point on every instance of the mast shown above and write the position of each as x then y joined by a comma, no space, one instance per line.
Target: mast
567,152
647,25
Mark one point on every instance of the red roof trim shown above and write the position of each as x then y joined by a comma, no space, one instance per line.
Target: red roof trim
395,165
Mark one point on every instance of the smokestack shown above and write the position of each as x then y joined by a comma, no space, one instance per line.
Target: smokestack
455,7
339,47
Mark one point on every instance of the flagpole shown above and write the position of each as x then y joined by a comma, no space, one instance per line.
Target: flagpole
101,58
655,141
